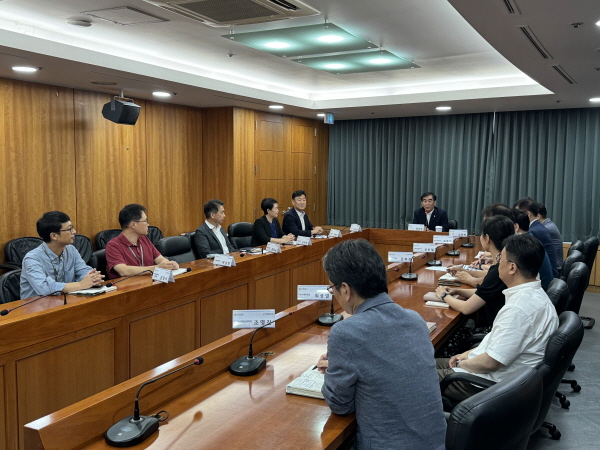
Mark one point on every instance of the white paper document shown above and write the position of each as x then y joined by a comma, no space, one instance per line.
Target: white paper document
308,384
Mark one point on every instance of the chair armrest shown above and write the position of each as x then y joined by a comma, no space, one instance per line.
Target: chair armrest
471,342
470,378
10,266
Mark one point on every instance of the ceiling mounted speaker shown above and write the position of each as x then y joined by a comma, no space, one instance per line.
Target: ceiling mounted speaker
122,111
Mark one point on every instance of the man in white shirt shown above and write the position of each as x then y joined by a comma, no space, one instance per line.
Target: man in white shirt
210,237
521,329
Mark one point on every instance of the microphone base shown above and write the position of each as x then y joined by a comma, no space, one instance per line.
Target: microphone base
409,276
329,319
126,432
246,366
453,253
434,262
468,245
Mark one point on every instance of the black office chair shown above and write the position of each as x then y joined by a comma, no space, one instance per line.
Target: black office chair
590,248
240,234
84,247
10,286
104,236
98,261
572,258
560,350
452,224
575,245
154,234
176,248
499,418
16,249
558,291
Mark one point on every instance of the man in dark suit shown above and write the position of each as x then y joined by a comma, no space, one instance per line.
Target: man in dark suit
430,215
210,237
295,221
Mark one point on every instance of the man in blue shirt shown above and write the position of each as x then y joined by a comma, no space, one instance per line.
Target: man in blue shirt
56,265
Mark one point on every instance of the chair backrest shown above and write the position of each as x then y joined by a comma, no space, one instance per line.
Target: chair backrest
558,291
241,242
576,245
240,234
572,258
84,247
16,249
176,248
98,261
498,418
590,248
560,349
452,224
103,237
154,234
10,286
577,281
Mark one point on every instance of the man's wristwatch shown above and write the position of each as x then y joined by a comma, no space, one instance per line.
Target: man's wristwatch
444,295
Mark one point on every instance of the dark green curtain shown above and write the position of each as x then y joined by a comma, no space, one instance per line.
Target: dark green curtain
379,168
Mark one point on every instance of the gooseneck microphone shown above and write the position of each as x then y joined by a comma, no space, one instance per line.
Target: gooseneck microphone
250,365
409,276
132,276
330,318
189,269
6,311
135,429
434,261
468,244
453,252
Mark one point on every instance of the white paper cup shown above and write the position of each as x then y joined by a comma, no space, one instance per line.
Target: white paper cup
438,229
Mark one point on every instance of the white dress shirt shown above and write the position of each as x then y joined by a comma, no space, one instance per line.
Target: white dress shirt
301,215
219,236
428,216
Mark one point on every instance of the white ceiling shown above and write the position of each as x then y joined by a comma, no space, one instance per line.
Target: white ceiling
473,58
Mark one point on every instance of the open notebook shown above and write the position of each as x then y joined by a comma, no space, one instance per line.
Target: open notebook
308,384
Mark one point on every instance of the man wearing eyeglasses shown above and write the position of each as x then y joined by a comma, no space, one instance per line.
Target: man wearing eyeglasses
132,252
56,265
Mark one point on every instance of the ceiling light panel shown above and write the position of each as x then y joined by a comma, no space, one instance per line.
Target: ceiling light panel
358,62
124,15
301,41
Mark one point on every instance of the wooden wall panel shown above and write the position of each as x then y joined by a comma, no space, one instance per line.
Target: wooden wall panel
3,409
161,337
216,312
322,160
37,156
243,166
174,143
110,164
273,291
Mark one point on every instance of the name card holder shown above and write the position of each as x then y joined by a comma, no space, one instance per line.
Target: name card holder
416,227
355,228
443,239
400,257
458,233
224,261
313,292
333,233
423,248
304,240
253,318
163,275
272,247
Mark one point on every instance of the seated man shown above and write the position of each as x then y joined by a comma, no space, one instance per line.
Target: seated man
210,237
430,215
380,360
56,265
522,327
295,221
557,239
132,252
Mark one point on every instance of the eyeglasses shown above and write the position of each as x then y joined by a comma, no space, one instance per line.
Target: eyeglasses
330,288
70,230
507,260
141,221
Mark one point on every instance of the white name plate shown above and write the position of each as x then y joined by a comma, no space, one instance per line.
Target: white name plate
423,248
163,275
224,260
400,257
458,233
253,318
313,292
304,240
272,247
443,239
355,228
335,233
416,227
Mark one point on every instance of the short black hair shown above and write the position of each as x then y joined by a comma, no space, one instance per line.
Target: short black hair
521,218
498,228
528,204
212,206
267,203
357,263
298,193
50,222
130,213
427,194
543,211
527,252
496,209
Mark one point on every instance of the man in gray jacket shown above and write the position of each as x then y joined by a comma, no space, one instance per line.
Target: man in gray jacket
379,361
210,237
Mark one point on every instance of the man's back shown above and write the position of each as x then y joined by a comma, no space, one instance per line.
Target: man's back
557,240
542,234
381,366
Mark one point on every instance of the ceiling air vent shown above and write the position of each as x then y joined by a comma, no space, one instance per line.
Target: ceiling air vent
564,74
511,7
536,43
222,13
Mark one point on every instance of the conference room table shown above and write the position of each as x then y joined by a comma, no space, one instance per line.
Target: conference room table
210,408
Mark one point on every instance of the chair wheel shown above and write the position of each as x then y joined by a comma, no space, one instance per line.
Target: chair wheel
571,367
555,435
565,403
576,388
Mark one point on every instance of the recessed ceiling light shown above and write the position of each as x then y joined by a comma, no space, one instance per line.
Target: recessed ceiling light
105,83
380,61
161,94
335,66
444,108
80,23
25,69
275,106
595,100
598,23
330,38
320,115
277,44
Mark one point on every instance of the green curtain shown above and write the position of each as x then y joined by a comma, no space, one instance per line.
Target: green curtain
379,168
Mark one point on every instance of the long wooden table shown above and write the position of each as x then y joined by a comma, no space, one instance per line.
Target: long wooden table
230,403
